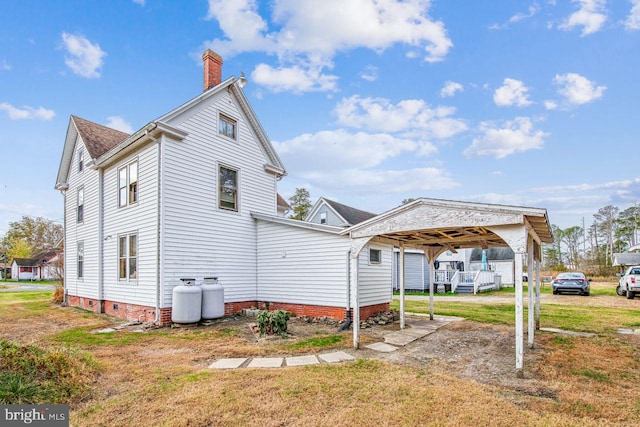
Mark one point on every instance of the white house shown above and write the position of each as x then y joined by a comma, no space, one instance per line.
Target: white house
193,194
41,266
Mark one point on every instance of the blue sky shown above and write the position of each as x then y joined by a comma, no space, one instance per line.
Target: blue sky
530,103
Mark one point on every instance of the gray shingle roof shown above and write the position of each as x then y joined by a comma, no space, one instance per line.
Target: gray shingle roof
493,254
352,215
626,259
98,138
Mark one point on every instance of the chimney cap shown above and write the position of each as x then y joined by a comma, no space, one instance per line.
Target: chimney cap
211,54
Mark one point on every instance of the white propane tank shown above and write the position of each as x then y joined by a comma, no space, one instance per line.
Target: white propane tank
212,298
187,302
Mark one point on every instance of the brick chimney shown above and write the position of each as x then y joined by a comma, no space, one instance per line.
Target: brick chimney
212,68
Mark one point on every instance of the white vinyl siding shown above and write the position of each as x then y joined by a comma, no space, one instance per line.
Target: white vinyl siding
374,280
199,239
86,232
329,216
301,266
141,221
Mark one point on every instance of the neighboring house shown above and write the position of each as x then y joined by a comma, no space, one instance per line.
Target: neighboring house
42,266
194,194
499,260
328,212
626,259
283,206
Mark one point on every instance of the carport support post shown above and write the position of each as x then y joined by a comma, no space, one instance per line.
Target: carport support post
530,285
402,320
519,320
356,297
538,290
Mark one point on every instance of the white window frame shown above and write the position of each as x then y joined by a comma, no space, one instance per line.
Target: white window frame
80,260
80,205
323,217
229,120
125,199
80,154
236,208
379,251
127,256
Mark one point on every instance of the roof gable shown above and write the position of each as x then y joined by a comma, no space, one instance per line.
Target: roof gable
98,138
349,215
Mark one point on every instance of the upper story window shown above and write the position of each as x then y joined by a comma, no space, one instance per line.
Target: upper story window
227,126
227,188
375,256
128,257
323,217
128,184
80,270
80,160
80,206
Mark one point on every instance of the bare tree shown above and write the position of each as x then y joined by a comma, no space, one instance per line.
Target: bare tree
573,240
606,224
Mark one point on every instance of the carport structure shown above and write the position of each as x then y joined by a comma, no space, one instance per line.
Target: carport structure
435,226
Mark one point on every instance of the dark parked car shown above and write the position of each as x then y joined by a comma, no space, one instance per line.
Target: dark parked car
571,283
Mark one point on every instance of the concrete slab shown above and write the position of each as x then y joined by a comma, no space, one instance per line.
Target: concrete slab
625,331
402,338
335,357
570,333
381,347
302,360
104,331
265,362
228,363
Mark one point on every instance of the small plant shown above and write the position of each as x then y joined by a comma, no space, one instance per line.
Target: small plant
273,322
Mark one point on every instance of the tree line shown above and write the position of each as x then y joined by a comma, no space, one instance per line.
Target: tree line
591,248
29,236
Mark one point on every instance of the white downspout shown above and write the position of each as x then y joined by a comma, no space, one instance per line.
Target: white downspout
159,235
101,239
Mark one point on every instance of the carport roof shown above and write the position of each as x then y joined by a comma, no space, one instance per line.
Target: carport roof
438,222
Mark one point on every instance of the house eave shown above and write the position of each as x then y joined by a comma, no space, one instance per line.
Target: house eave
297,223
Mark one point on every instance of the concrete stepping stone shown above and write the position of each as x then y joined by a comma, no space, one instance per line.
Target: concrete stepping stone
228,363
265,362
302,360
104,331
335,357
381,347
570,333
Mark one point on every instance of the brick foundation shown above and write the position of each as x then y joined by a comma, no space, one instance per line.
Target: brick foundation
147,314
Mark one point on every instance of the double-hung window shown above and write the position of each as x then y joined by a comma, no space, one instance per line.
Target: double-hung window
80,206
128,184
80,160
80,267
227,188
128,257
227,126
323,217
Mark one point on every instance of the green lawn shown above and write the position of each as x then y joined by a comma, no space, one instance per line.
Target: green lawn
575,318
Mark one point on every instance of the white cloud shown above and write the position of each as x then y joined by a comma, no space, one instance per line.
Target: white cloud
84,58
591,16
5,65
409,118
370,73
307,35
632,22
118,123
450,88
140,2
340,149
26,112
514,136
550,104
531,11
294,79
577,89
512,92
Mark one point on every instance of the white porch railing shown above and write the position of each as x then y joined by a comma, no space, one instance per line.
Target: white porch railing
484,280
481,280
455,281
444,276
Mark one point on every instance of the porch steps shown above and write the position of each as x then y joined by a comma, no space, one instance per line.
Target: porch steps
465,289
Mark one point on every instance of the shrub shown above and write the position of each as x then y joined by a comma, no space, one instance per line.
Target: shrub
58,295
33,375
273,322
